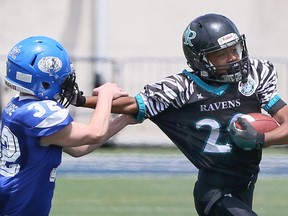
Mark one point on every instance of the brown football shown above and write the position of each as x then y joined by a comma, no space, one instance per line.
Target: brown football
261,122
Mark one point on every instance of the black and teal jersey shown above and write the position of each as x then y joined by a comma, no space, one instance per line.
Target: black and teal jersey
196,116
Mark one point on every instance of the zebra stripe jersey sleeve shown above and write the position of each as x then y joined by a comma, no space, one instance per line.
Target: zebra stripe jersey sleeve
174,91
268,78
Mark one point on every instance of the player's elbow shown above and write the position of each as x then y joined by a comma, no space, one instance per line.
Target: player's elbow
76,154
98,137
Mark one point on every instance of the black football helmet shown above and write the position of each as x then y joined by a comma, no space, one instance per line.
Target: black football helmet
210,33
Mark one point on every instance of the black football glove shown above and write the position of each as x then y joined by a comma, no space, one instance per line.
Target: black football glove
246,138
78,98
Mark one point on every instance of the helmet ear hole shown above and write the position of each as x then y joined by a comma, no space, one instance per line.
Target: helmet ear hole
45,85
33,61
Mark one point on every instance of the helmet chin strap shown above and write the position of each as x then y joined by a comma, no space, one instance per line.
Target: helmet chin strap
225,78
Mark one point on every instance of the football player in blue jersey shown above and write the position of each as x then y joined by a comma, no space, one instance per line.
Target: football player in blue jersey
196,110
37,126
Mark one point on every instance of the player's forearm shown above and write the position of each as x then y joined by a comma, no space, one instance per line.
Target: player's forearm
80,151
121,105
117,124
101,115
278,136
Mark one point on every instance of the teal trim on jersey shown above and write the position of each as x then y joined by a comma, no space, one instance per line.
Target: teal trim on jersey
271,103
141,106
218,91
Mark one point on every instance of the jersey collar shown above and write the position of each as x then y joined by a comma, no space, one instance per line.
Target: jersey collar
216,90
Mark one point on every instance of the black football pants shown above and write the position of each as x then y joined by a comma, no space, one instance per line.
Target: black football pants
215,200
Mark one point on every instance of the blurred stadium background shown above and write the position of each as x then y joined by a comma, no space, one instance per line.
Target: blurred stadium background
132,74
133,43
136,43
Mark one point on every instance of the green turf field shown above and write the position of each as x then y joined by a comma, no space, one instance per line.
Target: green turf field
152,195
170,196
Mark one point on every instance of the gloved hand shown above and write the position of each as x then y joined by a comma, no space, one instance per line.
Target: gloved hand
247,137
78,98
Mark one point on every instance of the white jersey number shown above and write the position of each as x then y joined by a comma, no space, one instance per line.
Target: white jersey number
9,153
9,148
212,141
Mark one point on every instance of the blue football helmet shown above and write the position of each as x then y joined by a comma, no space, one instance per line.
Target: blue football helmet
40,66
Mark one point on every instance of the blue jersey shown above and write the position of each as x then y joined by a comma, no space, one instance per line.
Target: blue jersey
28,170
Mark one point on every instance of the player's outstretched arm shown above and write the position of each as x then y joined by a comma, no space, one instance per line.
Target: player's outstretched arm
121,105
97,130
116,124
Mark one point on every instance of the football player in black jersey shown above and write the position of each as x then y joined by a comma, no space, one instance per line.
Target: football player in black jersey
196,110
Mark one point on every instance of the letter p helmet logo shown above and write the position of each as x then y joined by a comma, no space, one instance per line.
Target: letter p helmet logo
188,36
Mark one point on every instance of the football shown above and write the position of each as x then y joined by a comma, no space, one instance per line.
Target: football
261,122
